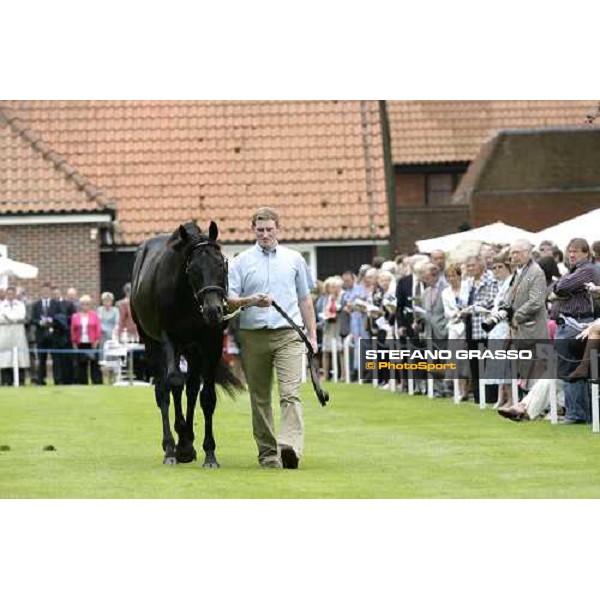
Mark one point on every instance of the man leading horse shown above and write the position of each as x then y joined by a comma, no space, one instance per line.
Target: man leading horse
270,272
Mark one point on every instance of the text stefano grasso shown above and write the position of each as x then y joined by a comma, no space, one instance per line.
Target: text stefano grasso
410,355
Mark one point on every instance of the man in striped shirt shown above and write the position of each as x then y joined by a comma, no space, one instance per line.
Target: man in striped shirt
572,299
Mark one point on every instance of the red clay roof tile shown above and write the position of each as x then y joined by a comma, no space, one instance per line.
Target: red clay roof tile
197,158
425,131
36,178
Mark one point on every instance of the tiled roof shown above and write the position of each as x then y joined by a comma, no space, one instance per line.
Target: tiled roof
165,162
34,178
525,161
445,131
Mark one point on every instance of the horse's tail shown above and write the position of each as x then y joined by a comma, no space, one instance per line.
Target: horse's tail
226,379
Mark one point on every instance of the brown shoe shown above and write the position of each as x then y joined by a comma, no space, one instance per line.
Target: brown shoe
513,414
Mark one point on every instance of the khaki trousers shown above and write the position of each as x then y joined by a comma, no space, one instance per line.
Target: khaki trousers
265,350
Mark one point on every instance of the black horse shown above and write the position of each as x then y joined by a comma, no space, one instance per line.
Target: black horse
178,299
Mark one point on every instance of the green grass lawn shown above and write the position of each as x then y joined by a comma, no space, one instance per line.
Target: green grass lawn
366,444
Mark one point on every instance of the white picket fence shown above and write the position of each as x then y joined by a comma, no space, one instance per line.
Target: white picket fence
394,387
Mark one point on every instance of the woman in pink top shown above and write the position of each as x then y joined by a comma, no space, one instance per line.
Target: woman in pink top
86,332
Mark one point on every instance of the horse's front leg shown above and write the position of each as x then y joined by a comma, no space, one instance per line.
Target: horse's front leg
185,448
175,377
184,452
208,401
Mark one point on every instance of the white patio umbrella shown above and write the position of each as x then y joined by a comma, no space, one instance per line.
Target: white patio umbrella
585,226
13,268
494,233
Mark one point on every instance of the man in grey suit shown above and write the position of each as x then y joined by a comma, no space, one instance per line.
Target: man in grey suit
527,297
434,322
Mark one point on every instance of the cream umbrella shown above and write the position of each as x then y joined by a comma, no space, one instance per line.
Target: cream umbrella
494,233
585,226
13,268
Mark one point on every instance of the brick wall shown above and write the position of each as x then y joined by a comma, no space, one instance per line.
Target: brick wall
410,189
427,222
533,211
415,220
64,254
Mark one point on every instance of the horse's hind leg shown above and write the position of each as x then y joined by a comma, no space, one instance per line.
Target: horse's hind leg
208,401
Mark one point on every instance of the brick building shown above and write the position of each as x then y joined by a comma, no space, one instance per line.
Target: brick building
433,144
533,178
321,164
82,183
50,215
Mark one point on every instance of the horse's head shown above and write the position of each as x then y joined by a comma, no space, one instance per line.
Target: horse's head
205,269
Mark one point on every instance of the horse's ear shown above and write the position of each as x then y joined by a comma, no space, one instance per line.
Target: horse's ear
179,239
213,231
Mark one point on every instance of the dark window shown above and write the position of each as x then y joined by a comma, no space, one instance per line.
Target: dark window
332,260
115,271
439,188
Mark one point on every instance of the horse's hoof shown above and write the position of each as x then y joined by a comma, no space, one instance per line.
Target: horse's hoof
211,465
169,460
186,456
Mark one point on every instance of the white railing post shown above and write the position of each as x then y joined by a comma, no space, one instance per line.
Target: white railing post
456,388
553,402
334,359
15,362
346,346
376,370
594,377
482,380
514,382
552,370
392,379
429,375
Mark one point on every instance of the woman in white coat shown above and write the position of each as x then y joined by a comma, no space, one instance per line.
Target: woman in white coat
12,335
455,297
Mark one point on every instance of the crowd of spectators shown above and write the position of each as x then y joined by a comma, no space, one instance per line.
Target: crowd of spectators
478,296
67,331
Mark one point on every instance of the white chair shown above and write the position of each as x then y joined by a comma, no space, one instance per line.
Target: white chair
114,359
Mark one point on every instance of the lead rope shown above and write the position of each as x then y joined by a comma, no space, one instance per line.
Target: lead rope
322,395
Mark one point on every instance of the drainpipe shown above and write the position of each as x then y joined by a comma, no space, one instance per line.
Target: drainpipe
366,138
390,183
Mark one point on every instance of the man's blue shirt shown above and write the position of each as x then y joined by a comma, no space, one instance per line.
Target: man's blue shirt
281,273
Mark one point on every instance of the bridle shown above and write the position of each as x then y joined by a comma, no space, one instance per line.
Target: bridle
199,294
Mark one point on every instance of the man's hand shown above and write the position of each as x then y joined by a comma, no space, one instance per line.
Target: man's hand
313,342
262,300
584,334
592,287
